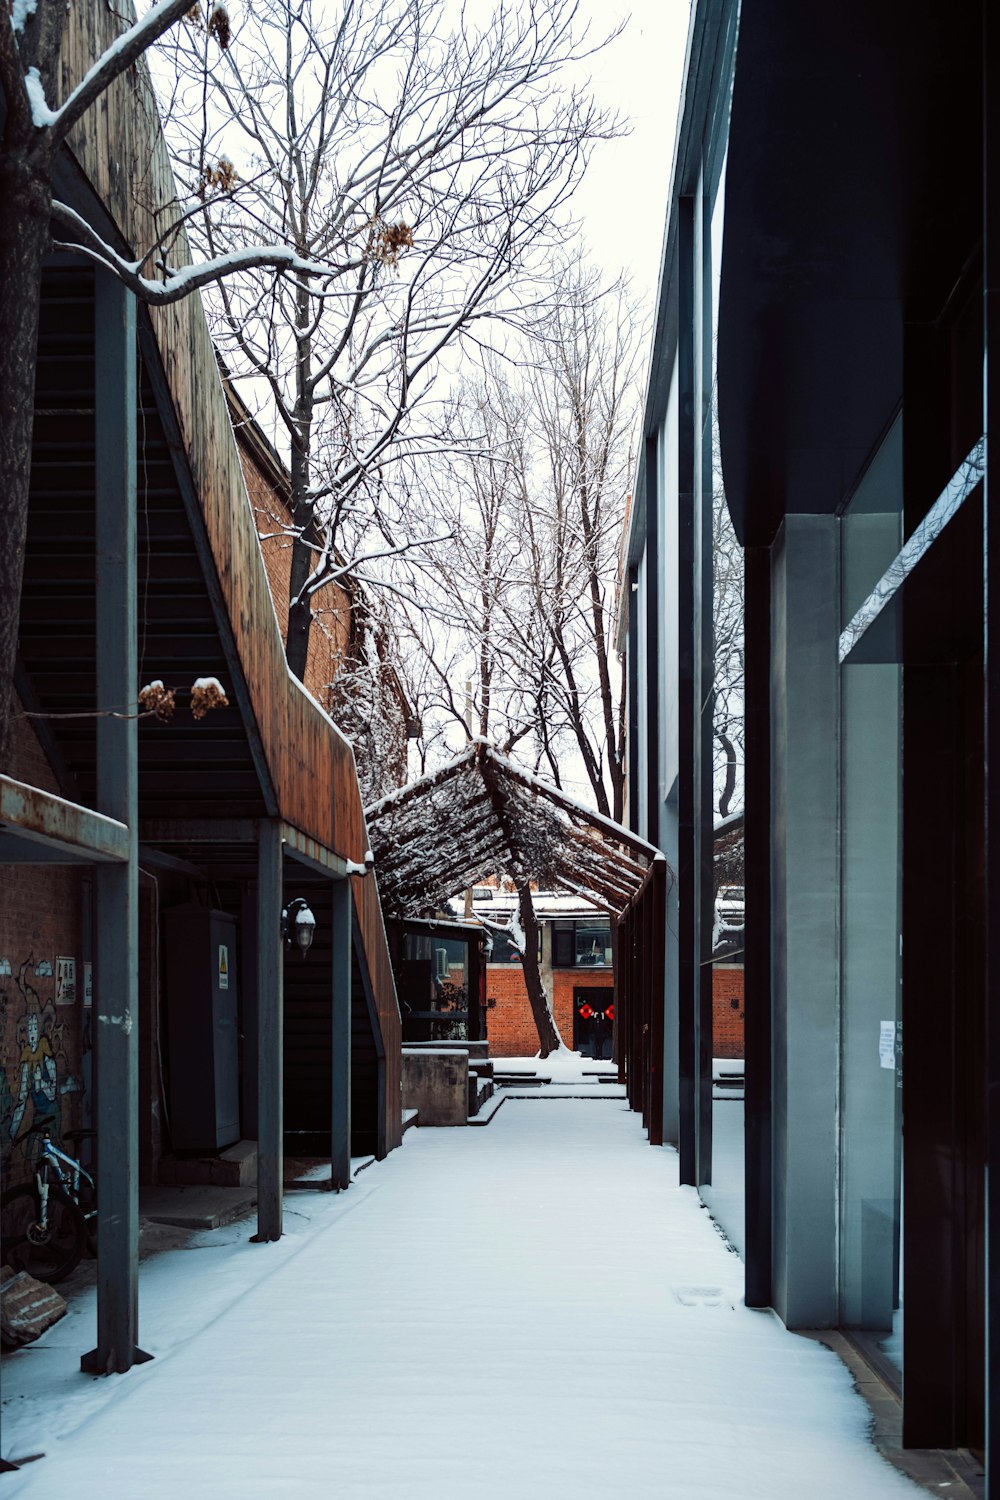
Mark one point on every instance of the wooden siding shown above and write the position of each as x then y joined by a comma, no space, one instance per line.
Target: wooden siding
120,149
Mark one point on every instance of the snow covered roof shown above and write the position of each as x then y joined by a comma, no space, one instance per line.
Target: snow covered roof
547,904
480,814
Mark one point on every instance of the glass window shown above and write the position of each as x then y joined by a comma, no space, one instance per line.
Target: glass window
563,948
584,943
593,942
504,951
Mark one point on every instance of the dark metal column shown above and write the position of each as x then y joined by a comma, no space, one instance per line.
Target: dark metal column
340,1133
991,425
688,706
651,687
270,1032
704,669
116,991
757,931
632,660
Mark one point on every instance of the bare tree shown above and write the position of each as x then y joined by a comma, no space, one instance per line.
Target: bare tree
583,391
727,620
36,124
532,497
538,528
429,158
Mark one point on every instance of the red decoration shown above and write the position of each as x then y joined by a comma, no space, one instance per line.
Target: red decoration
609,1014
586,1012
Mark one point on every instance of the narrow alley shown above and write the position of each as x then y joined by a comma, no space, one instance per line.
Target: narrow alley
526,1310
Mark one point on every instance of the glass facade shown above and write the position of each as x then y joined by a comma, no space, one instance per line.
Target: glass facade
434,987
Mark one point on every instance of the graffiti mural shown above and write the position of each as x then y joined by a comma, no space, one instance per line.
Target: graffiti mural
36,1078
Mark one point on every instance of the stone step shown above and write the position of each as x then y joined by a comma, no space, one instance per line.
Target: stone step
235,1167
196,1207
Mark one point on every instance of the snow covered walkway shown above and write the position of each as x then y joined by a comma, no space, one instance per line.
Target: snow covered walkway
531,1310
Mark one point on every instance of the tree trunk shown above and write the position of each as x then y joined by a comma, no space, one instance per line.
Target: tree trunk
300,617
549,1039
24,235
730,784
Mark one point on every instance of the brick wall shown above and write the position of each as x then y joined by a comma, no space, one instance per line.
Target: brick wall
727,1016
510,1028
43,1064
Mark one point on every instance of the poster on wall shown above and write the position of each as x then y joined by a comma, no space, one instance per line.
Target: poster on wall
65,981
88,983
223,967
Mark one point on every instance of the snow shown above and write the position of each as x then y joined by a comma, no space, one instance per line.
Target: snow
579,809
41,115
728,823
545,903
20,11
204,684
538,1067
535,1309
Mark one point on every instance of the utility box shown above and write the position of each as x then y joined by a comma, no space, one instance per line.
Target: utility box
202,1025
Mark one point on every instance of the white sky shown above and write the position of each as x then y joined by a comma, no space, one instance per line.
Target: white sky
622,200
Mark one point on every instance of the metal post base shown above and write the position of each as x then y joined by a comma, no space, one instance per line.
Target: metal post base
96,1363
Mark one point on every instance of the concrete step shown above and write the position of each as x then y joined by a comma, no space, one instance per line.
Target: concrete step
235,1167
196,1206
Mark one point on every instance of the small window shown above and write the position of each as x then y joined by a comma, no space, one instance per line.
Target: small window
563,945
593,943
504,951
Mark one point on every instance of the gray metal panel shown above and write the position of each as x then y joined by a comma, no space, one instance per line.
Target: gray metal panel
805,920
201,1004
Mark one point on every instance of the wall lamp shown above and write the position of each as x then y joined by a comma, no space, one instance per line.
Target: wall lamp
353,866
298,924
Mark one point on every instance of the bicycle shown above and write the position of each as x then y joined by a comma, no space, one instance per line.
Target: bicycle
45,1225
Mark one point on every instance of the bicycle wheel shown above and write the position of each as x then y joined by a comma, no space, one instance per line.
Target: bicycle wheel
49,1254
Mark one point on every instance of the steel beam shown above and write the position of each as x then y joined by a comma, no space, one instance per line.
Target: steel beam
310,852
270,1033
55,829
199,830
340,1137
116,990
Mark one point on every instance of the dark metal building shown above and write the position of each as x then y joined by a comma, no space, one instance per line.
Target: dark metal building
831,266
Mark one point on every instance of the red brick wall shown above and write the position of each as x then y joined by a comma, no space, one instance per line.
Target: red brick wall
727,1018
40,921
509,1026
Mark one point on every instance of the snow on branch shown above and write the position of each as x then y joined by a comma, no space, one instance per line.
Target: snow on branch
179,281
